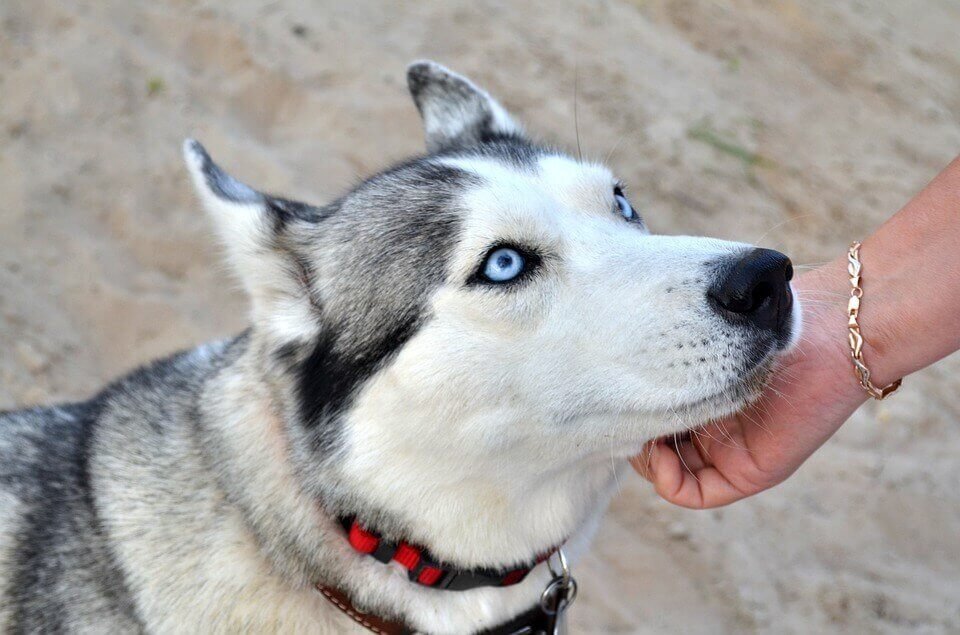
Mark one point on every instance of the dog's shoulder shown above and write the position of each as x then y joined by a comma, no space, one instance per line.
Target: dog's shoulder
49,524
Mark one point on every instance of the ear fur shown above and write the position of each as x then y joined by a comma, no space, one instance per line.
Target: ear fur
455,111
252,227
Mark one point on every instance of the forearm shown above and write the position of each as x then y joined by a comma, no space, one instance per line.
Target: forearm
910,313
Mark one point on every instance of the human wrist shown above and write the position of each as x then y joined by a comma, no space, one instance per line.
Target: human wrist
894,343
908,315
823,295
886,348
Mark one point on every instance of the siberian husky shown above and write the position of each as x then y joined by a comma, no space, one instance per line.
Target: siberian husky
438,369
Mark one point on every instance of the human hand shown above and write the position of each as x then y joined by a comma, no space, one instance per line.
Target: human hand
811,394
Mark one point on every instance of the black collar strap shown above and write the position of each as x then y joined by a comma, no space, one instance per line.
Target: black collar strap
423,569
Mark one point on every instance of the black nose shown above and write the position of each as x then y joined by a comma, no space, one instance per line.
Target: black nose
755,290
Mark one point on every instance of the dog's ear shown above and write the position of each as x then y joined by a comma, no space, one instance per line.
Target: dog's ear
455,111
256,231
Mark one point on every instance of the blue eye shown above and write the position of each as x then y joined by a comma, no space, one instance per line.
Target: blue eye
624,205
503,265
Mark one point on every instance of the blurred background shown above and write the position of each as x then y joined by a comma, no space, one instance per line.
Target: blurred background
798,125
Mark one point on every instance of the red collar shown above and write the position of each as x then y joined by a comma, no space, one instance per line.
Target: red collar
426,570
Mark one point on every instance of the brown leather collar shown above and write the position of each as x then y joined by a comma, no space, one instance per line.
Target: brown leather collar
532,622
371,622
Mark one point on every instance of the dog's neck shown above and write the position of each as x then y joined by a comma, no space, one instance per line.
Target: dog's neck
463,517
409,467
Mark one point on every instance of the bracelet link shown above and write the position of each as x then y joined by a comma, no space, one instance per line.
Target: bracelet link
855,338
853,307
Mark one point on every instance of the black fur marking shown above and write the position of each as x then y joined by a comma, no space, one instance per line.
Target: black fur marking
419,77
327,379
287,354
285,210
512,149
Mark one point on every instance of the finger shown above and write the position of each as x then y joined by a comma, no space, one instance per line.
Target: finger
702,489
666,472
690,458
641,462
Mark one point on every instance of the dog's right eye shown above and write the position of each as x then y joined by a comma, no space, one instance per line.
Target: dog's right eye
503,265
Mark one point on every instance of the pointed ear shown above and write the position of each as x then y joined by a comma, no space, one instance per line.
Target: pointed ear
254,229
455,111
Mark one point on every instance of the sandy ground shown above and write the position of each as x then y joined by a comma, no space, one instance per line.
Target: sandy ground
799,125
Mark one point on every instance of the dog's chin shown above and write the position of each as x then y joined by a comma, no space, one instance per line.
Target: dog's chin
730,399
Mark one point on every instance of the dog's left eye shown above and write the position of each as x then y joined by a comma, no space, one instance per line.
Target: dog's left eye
623,205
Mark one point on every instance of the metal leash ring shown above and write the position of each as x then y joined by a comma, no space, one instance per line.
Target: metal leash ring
564,567
562,590
558,595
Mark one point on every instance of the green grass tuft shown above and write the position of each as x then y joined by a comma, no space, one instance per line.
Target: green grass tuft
155,86
704,134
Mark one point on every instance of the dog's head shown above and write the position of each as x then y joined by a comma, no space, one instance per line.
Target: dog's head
489,324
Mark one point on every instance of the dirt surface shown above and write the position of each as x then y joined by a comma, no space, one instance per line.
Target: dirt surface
797,125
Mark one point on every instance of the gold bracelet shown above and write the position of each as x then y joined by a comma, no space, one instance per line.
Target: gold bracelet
854,266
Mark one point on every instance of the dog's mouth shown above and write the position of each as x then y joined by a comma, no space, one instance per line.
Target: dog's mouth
736,395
